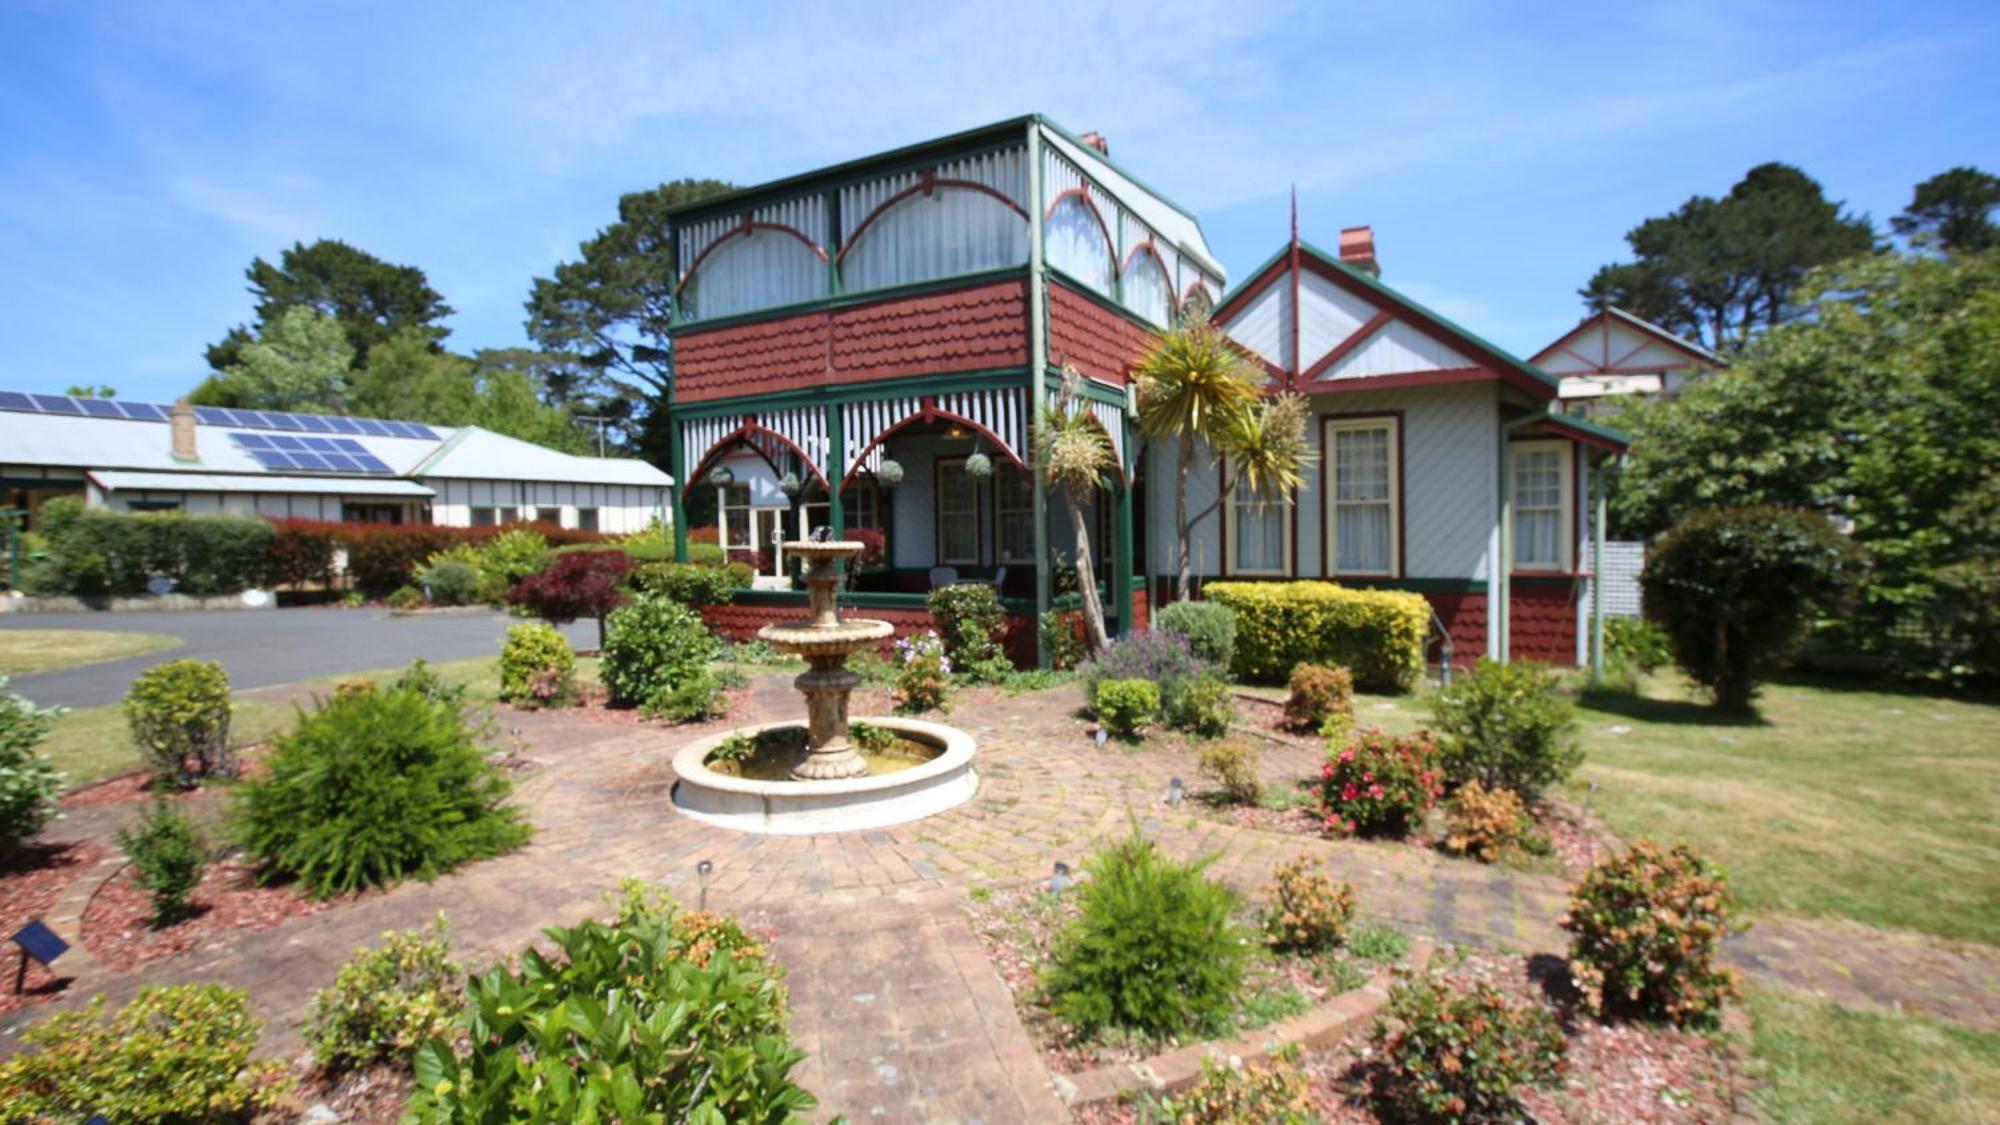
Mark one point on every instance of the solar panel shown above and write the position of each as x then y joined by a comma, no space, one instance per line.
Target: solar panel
142,411
99,407
57,404
15,400
272,459
310,453
268,420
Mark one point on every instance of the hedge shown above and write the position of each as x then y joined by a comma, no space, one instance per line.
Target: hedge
1377,634
382,556
94,551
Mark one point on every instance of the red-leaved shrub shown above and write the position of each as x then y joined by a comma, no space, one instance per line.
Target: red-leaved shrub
304,551
1380,785
577,584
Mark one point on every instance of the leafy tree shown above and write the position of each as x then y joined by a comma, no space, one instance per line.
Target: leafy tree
609,309
507,402
370,298
407,377
578,391
1195,386
298,361
1718,270
1877,410
1073,452
101,390
1953,210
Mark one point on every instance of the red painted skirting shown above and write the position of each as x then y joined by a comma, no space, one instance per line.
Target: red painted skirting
741,622
1464,617
1542,624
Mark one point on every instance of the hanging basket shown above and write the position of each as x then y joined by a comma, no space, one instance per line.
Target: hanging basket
790,486
721,476
979,466
889,474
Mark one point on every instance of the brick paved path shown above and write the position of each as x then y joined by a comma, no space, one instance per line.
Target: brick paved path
902,1017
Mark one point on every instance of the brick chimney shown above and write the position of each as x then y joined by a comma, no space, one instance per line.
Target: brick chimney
1357,249
1096,140
180,419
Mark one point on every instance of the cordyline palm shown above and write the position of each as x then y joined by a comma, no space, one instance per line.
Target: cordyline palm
1193,385
1073,453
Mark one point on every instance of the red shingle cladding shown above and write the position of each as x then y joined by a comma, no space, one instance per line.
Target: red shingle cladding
1464,617
1101,343
970,329
1542,625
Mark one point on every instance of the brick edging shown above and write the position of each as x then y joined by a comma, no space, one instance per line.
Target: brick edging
1178,1069
65,917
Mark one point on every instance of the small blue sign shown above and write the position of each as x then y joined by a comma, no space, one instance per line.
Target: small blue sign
38,941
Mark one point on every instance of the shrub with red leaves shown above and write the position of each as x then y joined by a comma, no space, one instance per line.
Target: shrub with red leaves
304,551
577,584
876,544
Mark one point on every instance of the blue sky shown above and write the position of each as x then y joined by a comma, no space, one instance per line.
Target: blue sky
149,151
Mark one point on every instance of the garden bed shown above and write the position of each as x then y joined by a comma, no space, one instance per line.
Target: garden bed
227,903
32,878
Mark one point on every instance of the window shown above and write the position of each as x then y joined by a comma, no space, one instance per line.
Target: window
546,514
957,515
153,506
1541,505
861,503
732,505
1362,510
1074,242
586,519
484,517
1014,514
1146,288
1259,530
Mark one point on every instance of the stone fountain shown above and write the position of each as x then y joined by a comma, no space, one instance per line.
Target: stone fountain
826,642
834,786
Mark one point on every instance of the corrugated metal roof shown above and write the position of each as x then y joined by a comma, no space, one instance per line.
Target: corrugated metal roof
114,480
476,454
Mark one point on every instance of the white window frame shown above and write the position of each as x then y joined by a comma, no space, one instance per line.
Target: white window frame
1007,552
1565,508
1284,501
1330,509
978,515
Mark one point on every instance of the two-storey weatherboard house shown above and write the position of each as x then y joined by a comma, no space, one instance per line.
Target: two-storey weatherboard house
853,346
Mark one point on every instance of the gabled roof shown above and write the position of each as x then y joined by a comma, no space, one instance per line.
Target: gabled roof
477,454
1579,362
1391,313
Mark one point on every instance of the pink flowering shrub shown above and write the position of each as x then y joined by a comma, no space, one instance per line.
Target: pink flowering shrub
1380,785
923,674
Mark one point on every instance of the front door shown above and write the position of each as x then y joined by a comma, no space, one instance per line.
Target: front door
770,524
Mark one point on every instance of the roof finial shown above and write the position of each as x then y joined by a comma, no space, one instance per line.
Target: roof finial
1295,214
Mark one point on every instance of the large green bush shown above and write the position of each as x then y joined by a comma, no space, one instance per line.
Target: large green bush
374,787
1126,707
387,1001
452,581
1450,1055
178,713
656,657
1210,629
173,1056
28,781
168,857
92,551
692,584
1645,930
970,620
1736,590
1377,634
1152,949
537,667
1507,726
660,1016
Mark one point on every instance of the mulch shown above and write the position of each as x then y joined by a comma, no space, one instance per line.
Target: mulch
117,926
1617,1071
32,877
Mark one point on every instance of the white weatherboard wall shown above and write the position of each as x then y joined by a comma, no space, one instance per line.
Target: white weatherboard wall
1450,436
621,508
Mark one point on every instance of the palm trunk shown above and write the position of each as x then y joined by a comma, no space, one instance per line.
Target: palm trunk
1086,576
1182,592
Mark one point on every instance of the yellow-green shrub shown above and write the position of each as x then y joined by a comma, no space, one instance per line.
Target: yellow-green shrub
1378,634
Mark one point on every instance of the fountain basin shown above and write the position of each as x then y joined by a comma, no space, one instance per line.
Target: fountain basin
797,808
808,640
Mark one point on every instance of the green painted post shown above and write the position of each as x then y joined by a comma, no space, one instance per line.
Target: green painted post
677,468
1121,589
836,457
1038,361
1597,572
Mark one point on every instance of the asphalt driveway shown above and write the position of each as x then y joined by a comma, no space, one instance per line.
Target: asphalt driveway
265,647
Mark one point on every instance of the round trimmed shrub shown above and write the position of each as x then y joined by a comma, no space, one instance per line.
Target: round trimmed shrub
1233,767
174,1054
1209,627
374,787
1321,702
28,781
452,582
1205,709
1645,928
537,667
387,1001
1126,707
1507,726
178,713
1152,949
656,658
1449,1055
1736,589
1485,823
1308,911
1380,785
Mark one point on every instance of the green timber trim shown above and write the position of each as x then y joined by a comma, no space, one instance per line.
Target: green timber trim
914,386
848,299
1419,585
1092,389
1200,257
1038,362
1583,426
836,459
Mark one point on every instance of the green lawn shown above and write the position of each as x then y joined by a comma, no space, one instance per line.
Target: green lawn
90,743
41,650
1821,1062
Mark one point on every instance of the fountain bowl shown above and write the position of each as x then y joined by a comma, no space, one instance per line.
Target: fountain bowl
798,808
